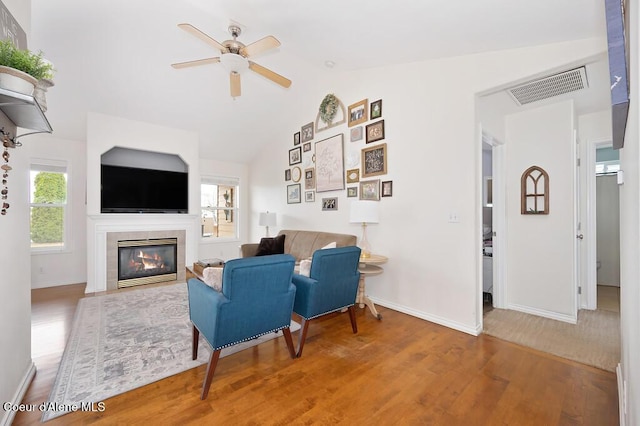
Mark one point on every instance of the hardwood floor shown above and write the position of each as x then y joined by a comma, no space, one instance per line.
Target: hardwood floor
400,370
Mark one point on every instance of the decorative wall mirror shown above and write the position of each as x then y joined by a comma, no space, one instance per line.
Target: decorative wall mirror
534,191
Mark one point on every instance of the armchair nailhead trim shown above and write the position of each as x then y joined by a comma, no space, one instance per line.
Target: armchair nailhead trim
328,312
250,338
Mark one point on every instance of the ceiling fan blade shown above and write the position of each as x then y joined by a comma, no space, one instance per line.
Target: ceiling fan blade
202,36
234,80
195,63
260,46
276,78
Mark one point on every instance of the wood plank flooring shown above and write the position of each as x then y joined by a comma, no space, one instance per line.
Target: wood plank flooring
400,370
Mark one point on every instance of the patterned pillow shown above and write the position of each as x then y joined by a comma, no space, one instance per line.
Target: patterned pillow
213,278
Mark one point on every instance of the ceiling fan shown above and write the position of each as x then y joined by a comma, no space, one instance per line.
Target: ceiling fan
234,56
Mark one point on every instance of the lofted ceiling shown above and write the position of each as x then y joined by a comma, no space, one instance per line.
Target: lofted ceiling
114,56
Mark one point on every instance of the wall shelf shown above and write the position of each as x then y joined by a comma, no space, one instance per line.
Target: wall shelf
24,111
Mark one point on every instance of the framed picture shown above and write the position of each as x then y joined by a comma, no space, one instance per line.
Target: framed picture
358,112
309,178
330,204
353,175
296,174
293,193
309,196
287,175
307,132
352,191
375,131
370,190
295,156
296,138
376,109
374,160
387,188
306,147
356,134
330,164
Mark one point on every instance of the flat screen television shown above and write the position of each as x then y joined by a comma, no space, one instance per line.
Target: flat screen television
137,190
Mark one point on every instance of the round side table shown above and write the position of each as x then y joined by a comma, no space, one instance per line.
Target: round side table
369,267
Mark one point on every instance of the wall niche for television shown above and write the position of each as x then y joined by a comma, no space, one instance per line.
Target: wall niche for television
137,181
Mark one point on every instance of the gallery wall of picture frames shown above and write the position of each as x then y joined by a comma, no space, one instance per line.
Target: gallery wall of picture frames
317,162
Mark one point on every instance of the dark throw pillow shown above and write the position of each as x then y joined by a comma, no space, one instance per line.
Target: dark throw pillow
269,246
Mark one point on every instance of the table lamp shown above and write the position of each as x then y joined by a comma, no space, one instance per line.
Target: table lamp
363,211
267,219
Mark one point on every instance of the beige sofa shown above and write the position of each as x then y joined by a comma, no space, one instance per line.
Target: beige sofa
302,244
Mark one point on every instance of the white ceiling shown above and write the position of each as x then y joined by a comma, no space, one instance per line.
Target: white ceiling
114,56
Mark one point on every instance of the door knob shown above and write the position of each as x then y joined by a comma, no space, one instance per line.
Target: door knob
580,236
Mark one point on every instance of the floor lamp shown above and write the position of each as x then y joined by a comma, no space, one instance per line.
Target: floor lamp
267,219
364,212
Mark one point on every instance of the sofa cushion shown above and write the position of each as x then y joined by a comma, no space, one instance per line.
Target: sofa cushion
269,246
302,244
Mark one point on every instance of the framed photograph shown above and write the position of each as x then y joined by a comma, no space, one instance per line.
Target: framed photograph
307,132
374,160
296,138
330,204
309,196
296,174
356,134
375,131
295,156
358,112
370,190
306,147
387,188
376,109
330,164
293,193
309,178
353,175
352,191
287,175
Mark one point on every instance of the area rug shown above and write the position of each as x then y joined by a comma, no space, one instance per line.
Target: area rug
122,341
594,340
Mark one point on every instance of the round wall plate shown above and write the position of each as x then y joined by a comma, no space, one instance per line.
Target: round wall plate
296,174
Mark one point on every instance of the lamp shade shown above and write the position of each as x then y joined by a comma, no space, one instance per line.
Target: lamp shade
267,219
363,211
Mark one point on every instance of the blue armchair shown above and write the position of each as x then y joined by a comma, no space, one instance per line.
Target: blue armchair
257,298
332,285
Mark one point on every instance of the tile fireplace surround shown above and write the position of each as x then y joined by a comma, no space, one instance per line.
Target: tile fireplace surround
104,232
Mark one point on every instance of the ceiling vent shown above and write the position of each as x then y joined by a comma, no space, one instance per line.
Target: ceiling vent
548,87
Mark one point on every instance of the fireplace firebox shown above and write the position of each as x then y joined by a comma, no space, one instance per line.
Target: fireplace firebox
147,261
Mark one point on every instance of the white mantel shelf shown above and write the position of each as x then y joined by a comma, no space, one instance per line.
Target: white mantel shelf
99,225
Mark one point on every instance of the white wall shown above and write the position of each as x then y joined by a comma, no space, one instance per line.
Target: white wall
540,247
69,266
434,160
629,231
16,366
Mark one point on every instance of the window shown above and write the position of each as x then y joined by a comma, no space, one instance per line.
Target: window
219,207
48,198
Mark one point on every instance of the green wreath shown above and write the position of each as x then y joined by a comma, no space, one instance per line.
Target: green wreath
329,108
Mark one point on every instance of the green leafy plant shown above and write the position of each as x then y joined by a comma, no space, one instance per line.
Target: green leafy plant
23,60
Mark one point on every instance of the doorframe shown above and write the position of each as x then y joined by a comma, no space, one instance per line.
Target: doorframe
589,300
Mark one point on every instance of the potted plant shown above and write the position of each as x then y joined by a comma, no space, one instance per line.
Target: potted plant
20,70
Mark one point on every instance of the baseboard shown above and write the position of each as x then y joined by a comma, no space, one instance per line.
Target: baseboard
8,417
622,394
474,331
543,313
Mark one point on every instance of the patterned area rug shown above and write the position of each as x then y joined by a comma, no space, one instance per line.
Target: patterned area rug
122,341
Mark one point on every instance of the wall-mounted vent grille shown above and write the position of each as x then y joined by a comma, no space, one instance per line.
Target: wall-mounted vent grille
544,88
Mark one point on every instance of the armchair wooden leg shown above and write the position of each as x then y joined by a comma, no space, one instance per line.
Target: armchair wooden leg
287,337
211,367
194,343
352,317
302,335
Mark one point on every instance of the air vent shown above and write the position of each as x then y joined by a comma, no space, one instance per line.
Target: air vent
548,87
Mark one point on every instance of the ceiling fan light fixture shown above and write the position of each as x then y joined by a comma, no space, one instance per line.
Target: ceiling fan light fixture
233,62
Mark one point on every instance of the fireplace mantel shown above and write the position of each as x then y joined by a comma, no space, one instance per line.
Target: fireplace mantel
98,226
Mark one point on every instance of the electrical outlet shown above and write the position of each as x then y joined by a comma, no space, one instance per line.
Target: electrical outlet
41,270
453,217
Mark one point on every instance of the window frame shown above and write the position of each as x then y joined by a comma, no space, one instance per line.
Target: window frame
60,166
235,209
